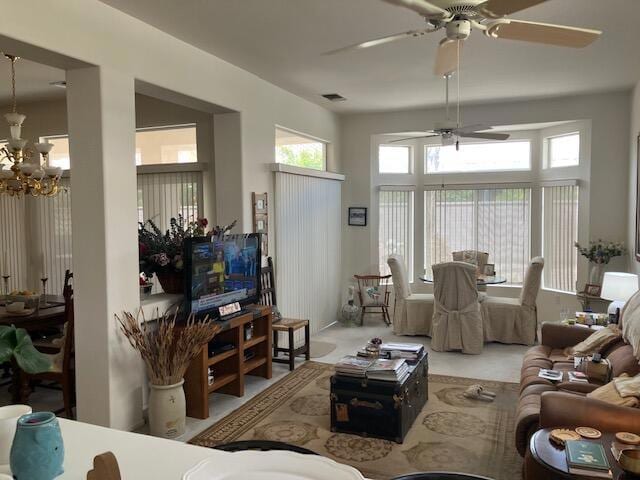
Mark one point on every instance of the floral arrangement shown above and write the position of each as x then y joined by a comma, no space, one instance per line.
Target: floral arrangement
601,252
167,350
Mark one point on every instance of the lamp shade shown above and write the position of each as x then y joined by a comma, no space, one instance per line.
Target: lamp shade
619,286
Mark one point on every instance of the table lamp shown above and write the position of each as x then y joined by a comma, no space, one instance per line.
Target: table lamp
618,287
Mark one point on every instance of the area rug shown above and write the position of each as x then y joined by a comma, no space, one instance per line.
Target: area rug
319,349
452,433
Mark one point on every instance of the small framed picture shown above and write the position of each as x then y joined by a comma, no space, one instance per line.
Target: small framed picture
260,224
259,203
489,270
358,216
592,290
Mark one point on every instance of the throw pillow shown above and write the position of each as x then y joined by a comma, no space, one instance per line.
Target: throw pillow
609,393
596,342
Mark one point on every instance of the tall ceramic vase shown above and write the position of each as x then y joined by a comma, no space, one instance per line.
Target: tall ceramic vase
37,452
167,410
596,273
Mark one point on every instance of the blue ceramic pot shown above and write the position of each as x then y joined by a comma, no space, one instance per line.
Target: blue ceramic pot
37,452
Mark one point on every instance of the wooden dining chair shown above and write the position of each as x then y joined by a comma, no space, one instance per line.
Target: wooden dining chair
373,293
61,371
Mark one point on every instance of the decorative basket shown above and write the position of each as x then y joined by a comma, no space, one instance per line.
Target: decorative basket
172,282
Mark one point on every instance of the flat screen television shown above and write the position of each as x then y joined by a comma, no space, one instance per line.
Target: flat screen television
221,272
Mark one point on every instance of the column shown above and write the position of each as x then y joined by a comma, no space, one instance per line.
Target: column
101,120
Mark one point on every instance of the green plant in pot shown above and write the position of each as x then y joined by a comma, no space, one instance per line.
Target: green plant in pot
16,345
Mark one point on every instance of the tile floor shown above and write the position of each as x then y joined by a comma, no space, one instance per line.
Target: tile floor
497,362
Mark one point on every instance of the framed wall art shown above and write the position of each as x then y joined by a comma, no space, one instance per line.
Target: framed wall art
261,219
358,216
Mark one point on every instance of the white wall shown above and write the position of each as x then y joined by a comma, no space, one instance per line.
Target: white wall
634,266
608,112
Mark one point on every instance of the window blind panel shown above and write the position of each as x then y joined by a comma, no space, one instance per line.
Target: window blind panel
13,241
492,220
54,223
395,228
308,249
559,235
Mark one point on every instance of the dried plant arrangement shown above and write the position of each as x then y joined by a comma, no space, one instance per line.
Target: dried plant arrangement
167,349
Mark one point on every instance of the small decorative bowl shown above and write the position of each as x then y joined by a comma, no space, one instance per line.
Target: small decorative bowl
630,461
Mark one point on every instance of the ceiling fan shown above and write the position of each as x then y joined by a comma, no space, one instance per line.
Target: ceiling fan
452,131
460,17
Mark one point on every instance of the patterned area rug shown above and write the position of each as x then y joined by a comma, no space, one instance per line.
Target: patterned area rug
452,433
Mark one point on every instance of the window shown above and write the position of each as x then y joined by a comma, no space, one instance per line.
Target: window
59,155
559,235
562,151
166,145
493,220
479,157
165,195
395,231
300,151
394,159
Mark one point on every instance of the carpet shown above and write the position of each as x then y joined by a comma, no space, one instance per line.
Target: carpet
320,349
452,433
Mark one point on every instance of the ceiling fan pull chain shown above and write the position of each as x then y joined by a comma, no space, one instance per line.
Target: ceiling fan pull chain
447,77
458,80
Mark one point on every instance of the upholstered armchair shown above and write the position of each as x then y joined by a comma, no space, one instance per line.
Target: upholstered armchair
412,312
457,322
515,320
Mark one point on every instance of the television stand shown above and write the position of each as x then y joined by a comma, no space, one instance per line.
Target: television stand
230,367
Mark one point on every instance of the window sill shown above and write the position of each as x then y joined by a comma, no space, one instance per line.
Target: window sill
308,172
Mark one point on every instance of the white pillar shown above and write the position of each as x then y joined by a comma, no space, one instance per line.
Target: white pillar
101,120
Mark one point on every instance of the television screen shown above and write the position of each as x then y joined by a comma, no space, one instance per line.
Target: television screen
220,272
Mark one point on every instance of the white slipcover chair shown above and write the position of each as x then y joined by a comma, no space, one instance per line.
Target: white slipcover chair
515,320
457,322
412,311
471,256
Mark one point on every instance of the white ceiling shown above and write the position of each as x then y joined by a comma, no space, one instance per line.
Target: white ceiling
282,41
32,81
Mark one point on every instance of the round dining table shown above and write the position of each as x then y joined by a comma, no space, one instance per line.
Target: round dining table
482,280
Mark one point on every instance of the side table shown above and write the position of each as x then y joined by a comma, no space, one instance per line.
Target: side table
545,460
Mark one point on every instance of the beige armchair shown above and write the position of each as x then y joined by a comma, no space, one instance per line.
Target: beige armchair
515,320
412,311
457,322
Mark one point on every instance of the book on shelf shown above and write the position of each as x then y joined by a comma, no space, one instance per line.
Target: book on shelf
553,375
587,458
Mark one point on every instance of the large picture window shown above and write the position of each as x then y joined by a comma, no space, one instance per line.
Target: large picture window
395,227
492,220
479,157
299,150
562,151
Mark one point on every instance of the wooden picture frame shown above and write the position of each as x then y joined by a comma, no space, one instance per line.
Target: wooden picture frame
259,201
357,216
489,270
261,219
638,198
592,290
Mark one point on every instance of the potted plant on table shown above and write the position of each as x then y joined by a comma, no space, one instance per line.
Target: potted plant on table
599,253
167,348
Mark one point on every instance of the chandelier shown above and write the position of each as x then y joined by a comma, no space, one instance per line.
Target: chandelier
24,176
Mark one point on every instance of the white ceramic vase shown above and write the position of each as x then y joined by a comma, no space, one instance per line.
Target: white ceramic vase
167,410
9,416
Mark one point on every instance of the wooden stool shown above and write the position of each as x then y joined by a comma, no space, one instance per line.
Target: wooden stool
290,326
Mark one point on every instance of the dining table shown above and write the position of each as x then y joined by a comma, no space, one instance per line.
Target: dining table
481,280
47,315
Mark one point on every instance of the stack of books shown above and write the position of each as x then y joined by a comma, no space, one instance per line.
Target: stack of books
352,366
411,352
388,370
587,459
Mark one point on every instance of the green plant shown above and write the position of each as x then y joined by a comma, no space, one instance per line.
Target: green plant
16,343
601,251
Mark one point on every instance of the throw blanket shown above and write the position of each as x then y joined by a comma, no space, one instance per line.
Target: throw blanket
609,393
596,343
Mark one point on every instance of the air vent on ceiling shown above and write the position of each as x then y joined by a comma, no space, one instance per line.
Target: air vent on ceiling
334,97
59,84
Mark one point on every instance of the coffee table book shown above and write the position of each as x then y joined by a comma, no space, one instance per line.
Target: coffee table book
587,458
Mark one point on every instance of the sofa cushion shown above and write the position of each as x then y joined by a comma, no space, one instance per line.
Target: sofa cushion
623,361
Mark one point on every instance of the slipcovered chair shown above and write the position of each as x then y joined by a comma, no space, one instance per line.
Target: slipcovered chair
412,312
515,320
457,322
473,257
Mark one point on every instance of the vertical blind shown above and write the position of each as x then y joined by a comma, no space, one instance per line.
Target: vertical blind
492,220
13,241
308,248
559,235
395,227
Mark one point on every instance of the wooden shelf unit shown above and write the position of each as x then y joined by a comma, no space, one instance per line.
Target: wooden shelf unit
230,367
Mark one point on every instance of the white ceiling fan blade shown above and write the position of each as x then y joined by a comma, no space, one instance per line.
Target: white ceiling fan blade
421,7
485,136
500,8
474,128
546,33
378,41
447,57
414,138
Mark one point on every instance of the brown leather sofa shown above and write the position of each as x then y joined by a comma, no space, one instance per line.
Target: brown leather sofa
565,403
